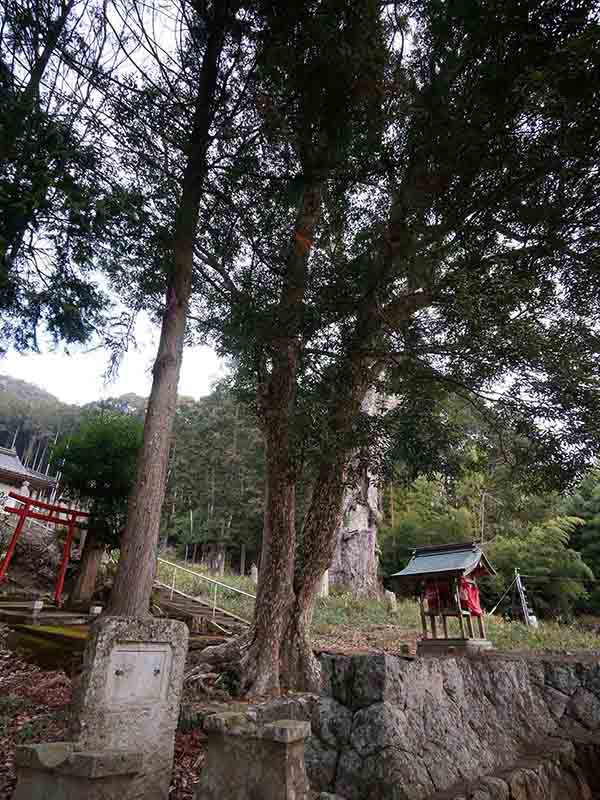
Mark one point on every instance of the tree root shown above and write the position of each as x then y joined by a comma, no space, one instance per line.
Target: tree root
217,670
242,668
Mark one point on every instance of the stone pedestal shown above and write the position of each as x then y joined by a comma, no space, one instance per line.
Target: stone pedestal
58,771
247,760
452,647
125,711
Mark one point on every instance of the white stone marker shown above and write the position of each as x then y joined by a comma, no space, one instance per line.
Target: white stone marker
324,585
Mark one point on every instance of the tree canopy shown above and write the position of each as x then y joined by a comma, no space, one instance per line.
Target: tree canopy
97,464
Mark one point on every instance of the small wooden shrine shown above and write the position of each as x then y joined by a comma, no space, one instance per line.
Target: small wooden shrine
445,578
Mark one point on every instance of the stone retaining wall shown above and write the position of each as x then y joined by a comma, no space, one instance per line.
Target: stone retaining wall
399,729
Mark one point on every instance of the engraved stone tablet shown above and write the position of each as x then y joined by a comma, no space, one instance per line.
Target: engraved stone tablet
138,673
128,696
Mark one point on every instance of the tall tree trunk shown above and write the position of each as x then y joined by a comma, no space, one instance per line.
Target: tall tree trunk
135,573
297,667
243,560
277,402
274,592
85,583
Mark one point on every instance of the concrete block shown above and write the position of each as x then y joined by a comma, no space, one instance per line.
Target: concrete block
60,771
452,647
248,760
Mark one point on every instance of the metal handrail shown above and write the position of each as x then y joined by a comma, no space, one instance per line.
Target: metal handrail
208,580
201,602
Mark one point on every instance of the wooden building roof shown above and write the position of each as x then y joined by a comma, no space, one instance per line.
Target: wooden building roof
447,560
13,471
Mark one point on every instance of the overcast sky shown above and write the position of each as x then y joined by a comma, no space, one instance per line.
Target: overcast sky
78,377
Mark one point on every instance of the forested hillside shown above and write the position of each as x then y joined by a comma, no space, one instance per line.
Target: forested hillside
216,471
215,489
448,471
32,418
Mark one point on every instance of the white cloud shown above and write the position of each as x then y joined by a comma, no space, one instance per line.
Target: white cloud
78,377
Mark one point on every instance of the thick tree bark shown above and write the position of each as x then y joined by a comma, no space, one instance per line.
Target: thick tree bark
314,552
135,575
281,653
277,402
278,651
85,583
299,668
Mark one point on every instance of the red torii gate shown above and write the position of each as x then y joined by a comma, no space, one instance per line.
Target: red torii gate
28,511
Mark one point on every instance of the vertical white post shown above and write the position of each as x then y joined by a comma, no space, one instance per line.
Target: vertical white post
215,600
324,587
173,581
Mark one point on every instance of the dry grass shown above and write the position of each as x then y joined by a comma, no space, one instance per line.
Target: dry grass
345,623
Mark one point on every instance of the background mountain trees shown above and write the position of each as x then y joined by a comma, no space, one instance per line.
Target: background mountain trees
216,472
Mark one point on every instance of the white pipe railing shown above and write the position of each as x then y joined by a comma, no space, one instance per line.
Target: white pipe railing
205,578
213,584
191,597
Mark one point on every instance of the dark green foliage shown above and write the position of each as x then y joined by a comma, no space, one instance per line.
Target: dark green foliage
59,199
216,472
472,183
97,466
540,551
584,503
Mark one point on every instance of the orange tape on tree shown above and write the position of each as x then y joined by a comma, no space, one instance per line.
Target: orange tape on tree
304,241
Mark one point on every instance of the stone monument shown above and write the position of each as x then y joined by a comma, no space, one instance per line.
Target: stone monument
125,714
355,564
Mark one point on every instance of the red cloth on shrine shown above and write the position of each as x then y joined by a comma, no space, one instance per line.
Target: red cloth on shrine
469,597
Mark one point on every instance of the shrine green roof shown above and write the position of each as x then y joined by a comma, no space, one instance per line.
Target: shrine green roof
450,559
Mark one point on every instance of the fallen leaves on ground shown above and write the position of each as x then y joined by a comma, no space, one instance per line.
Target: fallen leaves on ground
34,707
375,638
189,760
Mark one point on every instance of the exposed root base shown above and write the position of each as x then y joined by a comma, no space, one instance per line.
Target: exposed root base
242,669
